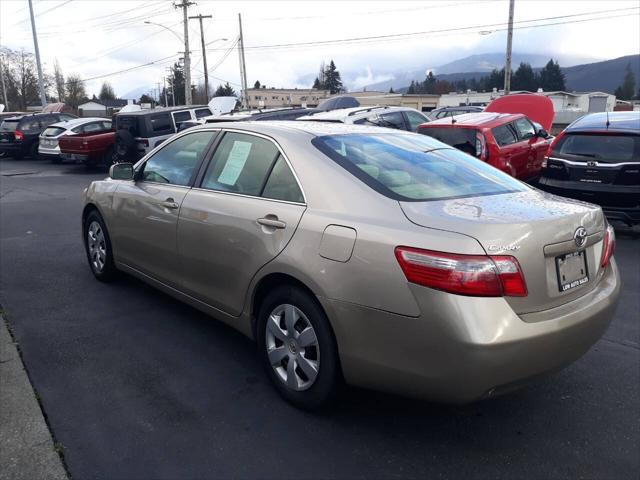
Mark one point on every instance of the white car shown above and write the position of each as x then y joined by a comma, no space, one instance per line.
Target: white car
48,142
401,118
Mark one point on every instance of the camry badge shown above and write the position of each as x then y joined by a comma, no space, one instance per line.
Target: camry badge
580,236
592,163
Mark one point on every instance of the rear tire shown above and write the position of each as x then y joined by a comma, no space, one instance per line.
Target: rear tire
298,348
33,151
98,247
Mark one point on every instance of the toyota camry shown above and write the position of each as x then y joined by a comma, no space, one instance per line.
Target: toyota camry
382,258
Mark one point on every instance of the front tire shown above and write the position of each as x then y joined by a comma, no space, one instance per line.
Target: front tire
98,247
298,348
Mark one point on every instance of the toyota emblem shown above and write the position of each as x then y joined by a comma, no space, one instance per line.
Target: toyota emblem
580,236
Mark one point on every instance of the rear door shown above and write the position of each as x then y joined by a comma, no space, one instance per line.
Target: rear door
244,212
145,211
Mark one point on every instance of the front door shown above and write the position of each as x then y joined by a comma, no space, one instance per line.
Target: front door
146,210
245,211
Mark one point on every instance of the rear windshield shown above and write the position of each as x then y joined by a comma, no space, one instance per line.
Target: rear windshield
53,131
128,123
606,148
461,138
9,125
405,167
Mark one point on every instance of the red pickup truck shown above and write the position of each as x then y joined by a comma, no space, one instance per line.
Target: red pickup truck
88,148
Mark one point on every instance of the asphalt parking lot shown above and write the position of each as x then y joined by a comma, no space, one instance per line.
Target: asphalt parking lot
137,385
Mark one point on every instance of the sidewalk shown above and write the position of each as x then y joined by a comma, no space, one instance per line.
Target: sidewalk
26,447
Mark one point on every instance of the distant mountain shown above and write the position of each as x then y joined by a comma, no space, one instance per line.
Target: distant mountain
603,76
136,93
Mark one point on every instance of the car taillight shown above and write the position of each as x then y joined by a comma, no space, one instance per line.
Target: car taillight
552,145
473,275
608,246
481,147
144,142
18,135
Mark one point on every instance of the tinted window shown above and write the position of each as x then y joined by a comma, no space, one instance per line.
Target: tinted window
504,135
176,162
92,127
106,124
30,124
9,125
393,120
65,117
160,122
603,148
202,112
240,164
282,184
53,131
397,165
415,119
48,120
130,123
461,138
181,116
524,128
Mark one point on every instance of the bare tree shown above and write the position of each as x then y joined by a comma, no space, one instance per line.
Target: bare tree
59,81
76,92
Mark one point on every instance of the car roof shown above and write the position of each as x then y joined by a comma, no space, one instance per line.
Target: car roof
163,110
31,115
341,114
74,122
478,119
460,107
288,127
618,121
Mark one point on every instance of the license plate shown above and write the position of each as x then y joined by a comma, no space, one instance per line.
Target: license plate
572,270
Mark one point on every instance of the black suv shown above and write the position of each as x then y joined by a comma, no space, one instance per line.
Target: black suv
19,135
597,159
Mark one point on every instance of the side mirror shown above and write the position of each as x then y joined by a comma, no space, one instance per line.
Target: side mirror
121,171
542,133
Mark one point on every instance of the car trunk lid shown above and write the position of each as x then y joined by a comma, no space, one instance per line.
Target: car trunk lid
538,229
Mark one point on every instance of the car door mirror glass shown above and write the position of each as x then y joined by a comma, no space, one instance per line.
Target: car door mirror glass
542,133
121,171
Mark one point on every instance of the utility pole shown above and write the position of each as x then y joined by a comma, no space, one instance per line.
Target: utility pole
43,97
4,89
187,56
507,63
204,55
243,66
164,84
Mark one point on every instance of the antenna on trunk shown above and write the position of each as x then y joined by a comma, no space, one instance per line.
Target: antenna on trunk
608,122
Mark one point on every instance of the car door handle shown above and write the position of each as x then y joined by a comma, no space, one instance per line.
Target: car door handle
271,221
170,203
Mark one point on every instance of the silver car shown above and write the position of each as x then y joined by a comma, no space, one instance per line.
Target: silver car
379,257
48,146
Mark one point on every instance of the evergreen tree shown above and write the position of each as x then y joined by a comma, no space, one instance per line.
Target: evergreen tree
257,84
628,87
391,90
144,98
333,82
106,92
551,77
429,84
412,88
225,90
495,79
176,83
524,78
316,84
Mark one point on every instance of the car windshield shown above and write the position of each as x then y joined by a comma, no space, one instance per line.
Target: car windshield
9,125
607,148
53,131
406,167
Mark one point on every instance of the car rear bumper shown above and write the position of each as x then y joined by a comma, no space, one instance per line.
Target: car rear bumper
463,349
10,148
619,202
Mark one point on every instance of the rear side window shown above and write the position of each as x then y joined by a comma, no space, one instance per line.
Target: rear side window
202,112
393,120
241,164
160,123
461,138
53,131
175,163
282,184
603,148
92,127
504,135
9,125
128,123
397,165
181,117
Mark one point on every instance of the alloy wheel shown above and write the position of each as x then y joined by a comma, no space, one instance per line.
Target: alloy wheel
97,246
292,347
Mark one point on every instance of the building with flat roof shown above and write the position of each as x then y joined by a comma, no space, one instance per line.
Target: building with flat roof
421,102
285,97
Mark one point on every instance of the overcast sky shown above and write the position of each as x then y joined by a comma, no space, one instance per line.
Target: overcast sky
94,38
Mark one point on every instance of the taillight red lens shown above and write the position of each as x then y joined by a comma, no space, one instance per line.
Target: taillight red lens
18,135
473,275
481,147
608,246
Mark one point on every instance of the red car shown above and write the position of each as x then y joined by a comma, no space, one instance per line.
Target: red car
511,142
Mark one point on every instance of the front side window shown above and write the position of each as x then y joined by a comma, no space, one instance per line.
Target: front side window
504,135
176,162
405,167
524,128
241,164
415,119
